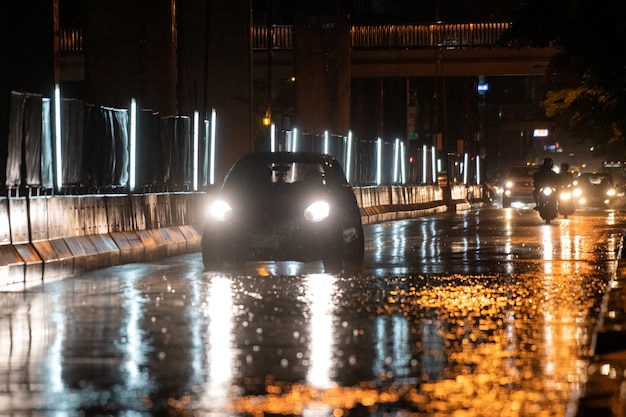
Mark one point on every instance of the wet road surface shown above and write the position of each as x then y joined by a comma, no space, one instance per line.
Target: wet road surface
481,313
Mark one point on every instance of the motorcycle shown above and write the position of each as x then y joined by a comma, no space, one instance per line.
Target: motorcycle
547,203
566,201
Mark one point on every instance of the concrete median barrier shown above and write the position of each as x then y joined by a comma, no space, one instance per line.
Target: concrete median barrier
161,243
32,264
18,220
119,213
380,204
5,224
51,237
11,266
130,246
57,259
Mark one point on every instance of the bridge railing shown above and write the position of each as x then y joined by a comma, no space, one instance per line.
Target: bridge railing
450,35
427,35
71,40
278,36
432,35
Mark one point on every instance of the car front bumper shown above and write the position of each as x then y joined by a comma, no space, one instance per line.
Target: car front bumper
278,242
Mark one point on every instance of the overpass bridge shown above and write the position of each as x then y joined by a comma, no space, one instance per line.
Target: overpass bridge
421,50
380,66
414,82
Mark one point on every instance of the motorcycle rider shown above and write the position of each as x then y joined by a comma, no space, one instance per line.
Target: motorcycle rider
565,175
566,194
544,176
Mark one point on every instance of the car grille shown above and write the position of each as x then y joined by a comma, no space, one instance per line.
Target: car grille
265,241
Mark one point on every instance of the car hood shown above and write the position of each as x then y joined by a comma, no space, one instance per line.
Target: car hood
280,202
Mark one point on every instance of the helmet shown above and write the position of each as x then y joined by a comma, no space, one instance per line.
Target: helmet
548,163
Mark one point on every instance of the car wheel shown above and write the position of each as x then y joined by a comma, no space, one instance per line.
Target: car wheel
353,251
210,257
333,259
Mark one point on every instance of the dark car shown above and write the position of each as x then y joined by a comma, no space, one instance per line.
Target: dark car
594,189
280,206
518,185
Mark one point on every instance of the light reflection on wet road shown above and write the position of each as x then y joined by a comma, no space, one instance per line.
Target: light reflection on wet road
474,314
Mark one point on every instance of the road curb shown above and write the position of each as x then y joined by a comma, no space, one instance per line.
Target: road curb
28,265
604,390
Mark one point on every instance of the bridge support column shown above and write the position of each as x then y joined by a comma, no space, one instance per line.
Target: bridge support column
322,69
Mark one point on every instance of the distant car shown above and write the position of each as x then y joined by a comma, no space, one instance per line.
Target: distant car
280,206
594,189
518,185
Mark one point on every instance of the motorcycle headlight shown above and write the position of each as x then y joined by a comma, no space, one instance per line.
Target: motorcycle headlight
220,210
317,211
508,184
565,195
578,192
610,192
547,191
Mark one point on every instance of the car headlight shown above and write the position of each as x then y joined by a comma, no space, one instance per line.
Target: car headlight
220,210
578,192
317,211
610,192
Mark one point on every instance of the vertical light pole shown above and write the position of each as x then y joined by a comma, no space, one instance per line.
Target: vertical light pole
349,155
272,138
379,161
212,158
294,143
433,162
196,122
57,136
402,163
465,167
57,95
424,163
396,160
132,166
326,145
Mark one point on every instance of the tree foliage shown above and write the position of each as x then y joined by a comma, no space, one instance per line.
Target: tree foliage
586,112
588,75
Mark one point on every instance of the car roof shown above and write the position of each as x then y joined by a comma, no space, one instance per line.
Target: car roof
522,170
284,157
333,172
594,174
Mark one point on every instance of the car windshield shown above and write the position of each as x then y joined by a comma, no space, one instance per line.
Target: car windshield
596,179
523,171
261,175
295,172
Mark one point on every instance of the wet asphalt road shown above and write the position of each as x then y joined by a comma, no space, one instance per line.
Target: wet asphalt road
483,313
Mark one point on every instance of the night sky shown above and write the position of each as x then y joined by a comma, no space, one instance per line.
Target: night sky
388,11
